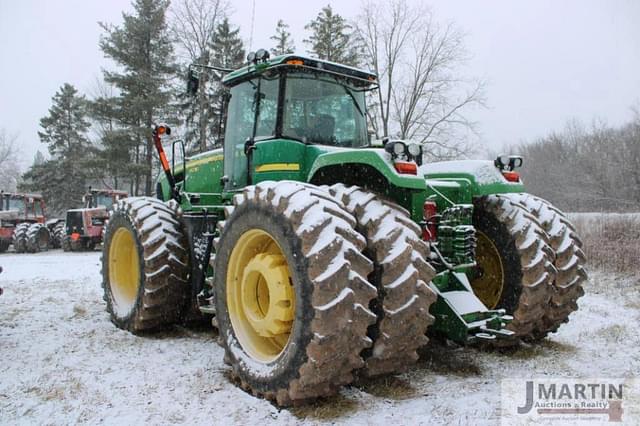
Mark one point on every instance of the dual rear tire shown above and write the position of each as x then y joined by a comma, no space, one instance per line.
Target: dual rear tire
31,238
358,277
530,262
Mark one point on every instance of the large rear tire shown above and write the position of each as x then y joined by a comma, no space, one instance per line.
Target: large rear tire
38,238
20,237
4,245
515,263
291,292
401,275
145,265
569,260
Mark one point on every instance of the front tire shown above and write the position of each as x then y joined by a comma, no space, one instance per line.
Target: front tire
291,292
144,265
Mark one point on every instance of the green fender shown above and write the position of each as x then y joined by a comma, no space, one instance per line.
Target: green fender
371,157
462,181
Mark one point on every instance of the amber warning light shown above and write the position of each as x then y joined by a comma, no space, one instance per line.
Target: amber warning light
511,176
406,167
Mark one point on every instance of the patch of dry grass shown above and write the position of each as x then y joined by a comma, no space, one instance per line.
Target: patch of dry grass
614,333
611,241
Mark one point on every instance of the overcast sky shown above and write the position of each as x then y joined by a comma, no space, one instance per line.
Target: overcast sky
545,61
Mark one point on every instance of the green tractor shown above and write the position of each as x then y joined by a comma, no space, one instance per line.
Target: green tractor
320,255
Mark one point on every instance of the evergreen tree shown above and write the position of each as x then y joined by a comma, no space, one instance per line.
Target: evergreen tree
113,157
331,38
63,178
227,50
143,50
64,129
283,39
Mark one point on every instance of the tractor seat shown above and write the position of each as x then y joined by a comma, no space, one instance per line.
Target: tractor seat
322,131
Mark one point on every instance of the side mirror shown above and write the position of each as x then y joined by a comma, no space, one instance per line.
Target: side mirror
193,82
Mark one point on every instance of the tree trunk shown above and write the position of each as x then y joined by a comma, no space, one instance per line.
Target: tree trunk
149,161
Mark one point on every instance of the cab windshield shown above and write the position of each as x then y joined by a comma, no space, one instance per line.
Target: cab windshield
319,108
16,204
104,200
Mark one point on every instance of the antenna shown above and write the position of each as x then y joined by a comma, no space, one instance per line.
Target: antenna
253,19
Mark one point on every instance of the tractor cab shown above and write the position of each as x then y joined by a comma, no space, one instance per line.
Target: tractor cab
289,102
25,207
291,98
102,198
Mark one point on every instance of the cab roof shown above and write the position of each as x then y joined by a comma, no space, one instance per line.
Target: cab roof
21,195
298,62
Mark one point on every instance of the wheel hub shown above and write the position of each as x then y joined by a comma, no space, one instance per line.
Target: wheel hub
488,283
267,295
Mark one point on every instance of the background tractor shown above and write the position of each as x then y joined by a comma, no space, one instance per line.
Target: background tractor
23,223
84,228
321,255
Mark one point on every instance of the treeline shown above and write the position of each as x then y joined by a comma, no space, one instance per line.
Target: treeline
587,169
104,137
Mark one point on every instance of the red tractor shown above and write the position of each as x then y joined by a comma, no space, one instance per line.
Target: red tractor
22,223
84,227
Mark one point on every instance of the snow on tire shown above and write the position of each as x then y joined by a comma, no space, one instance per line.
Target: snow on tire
145,264
20,237
310,237
526,258
37,238
401,274
569,260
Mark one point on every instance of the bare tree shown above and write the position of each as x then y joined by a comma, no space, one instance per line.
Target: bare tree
193,24
9,154
421,96
584,168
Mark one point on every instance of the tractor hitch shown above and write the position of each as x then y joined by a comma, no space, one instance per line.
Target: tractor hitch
461,316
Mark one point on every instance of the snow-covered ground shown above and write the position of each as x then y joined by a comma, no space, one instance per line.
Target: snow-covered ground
63,362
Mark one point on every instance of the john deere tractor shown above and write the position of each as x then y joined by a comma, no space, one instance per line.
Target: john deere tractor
321,255
84,227
23,223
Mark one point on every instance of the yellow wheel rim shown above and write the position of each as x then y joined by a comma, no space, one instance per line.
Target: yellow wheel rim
124,270
260,295
489,284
